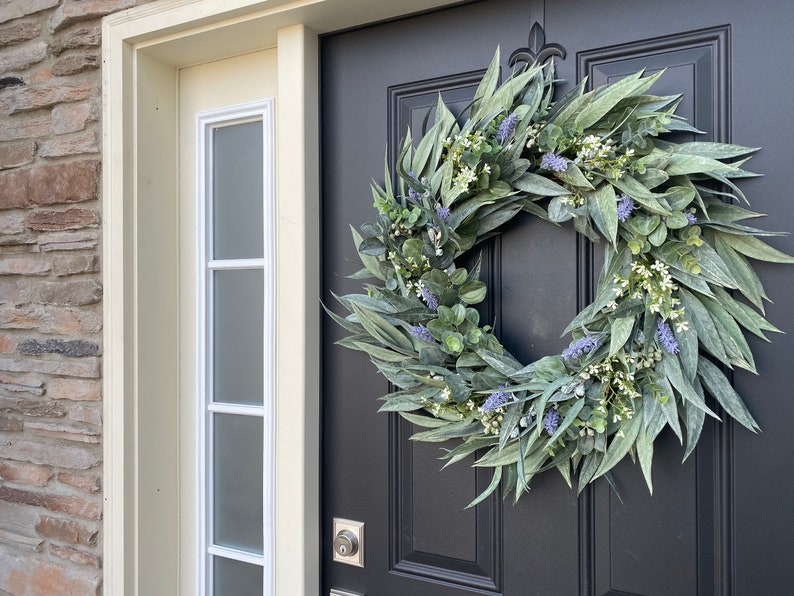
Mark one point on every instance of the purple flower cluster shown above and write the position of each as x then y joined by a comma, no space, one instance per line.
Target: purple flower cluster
497,399
421,332
430,298
690,217
665,336
442,212
583,345
625,207
551,420
412,194
506,129
555,163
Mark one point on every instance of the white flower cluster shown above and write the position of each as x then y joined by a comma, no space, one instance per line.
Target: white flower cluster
655,282
599,154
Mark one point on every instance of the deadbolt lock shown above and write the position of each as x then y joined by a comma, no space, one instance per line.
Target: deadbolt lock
349,542
346,543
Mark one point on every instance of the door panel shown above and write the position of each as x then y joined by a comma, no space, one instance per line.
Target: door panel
703,531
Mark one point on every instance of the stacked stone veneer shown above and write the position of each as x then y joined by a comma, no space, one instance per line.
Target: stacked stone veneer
50,296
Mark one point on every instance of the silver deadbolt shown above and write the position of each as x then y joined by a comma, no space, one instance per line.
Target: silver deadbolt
346,543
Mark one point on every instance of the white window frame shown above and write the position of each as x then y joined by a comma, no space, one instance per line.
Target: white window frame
206,123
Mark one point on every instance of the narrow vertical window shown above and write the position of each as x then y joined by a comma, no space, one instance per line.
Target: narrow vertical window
235,360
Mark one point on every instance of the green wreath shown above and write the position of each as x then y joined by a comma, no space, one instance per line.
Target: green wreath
664,323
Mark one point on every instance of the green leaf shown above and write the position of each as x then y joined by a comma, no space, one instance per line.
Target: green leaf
423,420
573,176
713,150
570,416
472,292
620,445
535,184
369,262
693,420
372,246
497,476
620,333
382,330
379,352
681,164
645,455
716,384
704,326
758,249
602,207
608,97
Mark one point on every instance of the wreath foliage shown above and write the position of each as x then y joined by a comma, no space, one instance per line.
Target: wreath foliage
665,322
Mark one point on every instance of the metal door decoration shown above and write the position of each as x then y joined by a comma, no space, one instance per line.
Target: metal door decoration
648,348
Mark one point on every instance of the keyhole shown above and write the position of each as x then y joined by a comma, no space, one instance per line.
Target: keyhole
342,549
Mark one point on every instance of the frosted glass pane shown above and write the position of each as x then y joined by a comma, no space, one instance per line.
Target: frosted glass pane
238,345
237,487
234,578
237,191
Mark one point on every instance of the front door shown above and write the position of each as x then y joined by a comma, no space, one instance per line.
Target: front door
720,523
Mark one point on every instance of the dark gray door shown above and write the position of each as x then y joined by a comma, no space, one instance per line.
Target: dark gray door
721,523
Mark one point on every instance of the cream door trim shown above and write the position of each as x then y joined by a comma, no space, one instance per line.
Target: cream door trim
143,48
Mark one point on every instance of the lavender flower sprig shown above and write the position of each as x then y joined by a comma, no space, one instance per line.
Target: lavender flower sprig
553,162
583,345
625,207
430,299
497,399
551,420
421,332
506,129
666,338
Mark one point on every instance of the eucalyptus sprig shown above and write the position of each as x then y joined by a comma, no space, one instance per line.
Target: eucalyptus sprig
667,319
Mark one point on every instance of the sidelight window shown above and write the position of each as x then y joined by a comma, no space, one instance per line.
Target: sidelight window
236,356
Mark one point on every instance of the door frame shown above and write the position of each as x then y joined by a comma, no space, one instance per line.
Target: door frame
143,49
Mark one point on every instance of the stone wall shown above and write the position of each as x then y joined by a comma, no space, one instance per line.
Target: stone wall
50,296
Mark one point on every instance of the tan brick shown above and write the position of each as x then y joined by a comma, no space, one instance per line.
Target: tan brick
22,473
73,457
76,144
26,576
74,389
16,9
60,293
31,407
86,413
19,31
69,219
25,126
22,384
75,264
75,506
49,184
44,96
8,343
75,63
72,11
50,320
76,556
90,484
19,58
73,117
66,530
14,154
79,36
10,425
12,223
66,432
84,368
24,265
71,240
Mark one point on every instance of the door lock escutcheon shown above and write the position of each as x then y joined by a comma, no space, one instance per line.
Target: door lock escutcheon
348,542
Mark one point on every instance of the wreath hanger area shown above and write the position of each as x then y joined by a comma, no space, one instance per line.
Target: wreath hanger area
674,301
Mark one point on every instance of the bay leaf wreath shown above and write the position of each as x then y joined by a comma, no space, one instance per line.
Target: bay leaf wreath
665,322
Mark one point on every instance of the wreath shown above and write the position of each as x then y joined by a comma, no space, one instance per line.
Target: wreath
666,322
